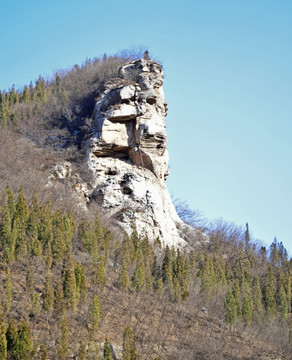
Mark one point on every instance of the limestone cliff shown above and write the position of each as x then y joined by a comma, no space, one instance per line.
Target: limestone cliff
127,153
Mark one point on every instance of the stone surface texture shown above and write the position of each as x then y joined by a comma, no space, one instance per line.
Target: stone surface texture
128,157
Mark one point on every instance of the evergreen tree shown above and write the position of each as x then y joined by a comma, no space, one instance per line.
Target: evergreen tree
138,279
63,348
129,345
69,282
48,255
100,277
123,279
43,353
59,237
35,303
257,299
230,308
283,306
48,296
59,303
269,293
35,245
81,287
236,295
25,95
82,353
23,348
7,238
7,296
247,238
288,289
106,350
246,311
166,269
3,341
159,287
11,336
94,314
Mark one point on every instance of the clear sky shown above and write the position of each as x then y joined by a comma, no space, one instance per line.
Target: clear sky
228,84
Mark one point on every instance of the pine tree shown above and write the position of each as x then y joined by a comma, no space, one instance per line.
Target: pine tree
3,341
23,348
123,279
106,350
94,314
257,300
35,303
247,238
59,237
11,336
81,287
159,287
288,289
283,306
48,255
25,95
236,295
7,238
19,232
269,293
246,311
230,308
21,207
35,245
167,268
69,282
207,276
100,277
138,279
63,348
129,345
7,296
82,353
48,296
43,353
59,303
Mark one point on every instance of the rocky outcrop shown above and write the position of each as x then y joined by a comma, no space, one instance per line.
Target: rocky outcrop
127,153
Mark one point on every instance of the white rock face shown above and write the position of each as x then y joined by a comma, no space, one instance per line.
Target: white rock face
128,156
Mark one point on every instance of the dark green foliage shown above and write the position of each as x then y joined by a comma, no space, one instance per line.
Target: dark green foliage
11,336
81,287
23,348
63,347
166,269
269,292
106,350
43,353
3,341
48,295
7,296
123,279
129,345
94,314
138,279
230,308
69,282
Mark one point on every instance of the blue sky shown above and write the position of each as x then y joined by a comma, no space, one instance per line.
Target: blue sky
228,84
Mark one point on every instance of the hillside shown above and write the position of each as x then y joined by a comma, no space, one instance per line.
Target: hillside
77,284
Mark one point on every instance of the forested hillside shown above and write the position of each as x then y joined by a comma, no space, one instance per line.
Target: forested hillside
73,287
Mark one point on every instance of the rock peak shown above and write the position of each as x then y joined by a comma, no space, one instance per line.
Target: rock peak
127,152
